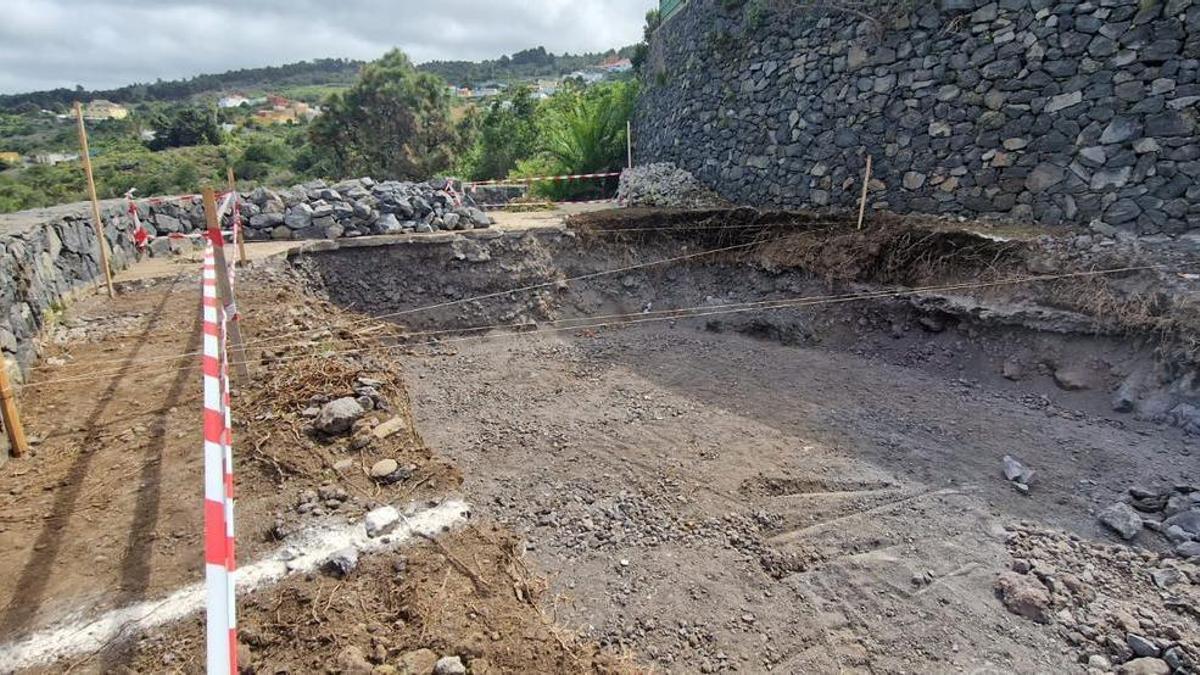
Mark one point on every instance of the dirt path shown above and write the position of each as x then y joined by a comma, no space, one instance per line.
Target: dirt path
105,513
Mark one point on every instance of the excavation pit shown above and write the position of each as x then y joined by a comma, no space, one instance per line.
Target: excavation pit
741,440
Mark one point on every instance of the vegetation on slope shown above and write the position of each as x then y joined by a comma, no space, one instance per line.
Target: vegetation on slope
393,121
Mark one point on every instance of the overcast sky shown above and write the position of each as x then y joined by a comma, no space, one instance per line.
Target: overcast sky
108,43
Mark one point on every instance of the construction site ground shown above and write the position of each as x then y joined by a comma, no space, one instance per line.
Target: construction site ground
815,491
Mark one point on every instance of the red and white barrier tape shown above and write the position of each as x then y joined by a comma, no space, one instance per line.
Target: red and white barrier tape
586,201
454,196
190,235
186,200
219,568
140,236
539,179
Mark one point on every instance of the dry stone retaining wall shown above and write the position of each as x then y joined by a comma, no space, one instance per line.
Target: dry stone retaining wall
47,254
1030,110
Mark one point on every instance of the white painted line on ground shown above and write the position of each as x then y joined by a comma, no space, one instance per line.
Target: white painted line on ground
305,552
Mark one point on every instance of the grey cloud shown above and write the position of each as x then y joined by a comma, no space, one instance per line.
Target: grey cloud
109,43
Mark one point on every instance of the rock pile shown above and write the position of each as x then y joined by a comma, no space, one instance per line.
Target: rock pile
1122,610
1174,513
665,185
44,254
359,207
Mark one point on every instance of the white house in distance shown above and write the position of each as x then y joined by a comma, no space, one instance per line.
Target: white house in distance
52,158
588,76
617,66
232,101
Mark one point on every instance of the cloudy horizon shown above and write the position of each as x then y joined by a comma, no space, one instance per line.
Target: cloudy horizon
105,44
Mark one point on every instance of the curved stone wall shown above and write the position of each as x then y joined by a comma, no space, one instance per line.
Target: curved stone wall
46,254
1030,110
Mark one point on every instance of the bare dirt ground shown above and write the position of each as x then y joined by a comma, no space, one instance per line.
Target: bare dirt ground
721,502
805,490
105,512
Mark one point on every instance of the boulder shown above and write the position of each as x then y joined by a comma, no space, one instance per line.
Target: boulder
1145,666
299,216
264,221
1188,521
1122,519
337,416
388,224
1024,595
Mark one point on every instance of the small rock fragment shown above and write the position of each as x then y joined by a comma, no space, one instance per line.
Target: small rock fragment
384,468
1176,659
353,661
1073,378
1188,549
1166,577
1017,472
390,428
388,471
450,665
343,562
418,662
381,520
1142,646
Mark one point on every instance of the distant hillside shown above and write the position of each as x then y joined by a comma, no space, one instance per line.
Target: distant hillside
303,73
320,73
527,64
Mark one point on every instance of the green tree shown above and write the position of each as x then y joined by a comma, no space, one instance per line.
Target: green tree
393,123
584,132
641,51
581,131
260,158
507,134
184,127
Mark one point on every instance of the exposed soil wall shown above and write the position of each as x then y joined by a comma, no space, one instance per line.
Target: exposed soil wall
1032,333
1026,110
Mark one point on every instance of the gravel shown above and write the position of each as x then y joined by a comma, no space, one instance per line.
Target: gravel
665,185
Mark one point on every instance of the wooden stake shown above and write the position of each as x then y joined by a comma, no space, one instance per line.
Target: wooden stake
629,142
233,325
8,412
91,183
238,231
862,207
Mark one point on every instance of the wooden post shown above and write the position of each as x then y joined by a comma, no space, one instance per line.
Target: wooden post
233,325
8,411
91,183
629,142
862,207
238,229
